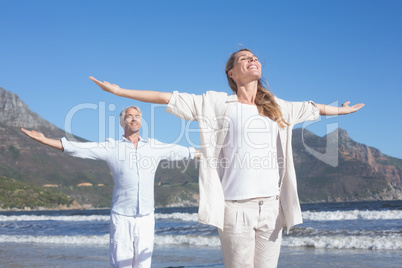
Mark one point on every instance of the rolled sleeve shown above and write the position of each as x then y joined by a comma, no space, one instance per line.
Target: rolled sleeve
171,106
67,146
298,112
86,150
315,111
184,105
192,152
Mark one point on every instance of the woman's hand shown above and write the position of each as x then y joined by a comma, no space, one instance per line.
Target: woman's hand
38,136
106,86
140,95
346,109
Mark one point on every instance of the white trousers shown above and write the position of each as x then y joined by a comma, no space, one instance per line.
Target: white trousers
252,233
131,240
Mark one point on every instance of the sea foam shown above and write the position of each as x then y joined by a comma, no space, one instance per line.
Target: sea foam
193,217
75,240
16,218
352,215
326,242
345,242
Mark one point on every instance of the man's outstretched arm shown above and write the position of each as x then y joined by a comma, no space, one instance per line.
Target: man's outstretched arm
38,136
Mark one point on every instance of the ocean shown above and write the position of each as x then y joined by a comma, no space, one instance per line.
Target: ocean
350,234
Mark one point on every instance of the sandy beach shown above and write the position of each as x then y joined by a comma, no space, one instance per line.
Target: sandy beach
360,234
47,255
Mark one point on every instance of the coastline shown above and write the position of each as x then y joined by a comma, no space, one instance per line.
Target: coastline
61,208
77,206
40,255
337,235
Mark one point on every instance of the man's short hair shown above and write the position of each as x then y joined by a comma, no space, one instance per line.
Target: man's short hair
123,113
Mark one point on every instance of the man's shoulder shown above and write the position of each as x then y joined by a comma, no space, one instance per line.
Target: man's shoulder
152,141
110,142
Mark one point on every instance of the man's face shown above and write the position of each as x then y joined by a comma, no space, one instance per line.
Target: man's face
132,121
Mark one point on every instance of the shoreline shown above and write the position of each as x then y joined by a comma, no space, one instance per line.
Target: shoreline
38,255
50,209
89,207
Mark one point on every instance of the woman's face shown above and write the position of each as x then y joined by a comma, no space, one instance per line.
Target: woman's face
246,67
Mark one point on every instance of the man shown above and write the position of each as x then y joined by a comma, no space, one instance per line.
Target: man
133,162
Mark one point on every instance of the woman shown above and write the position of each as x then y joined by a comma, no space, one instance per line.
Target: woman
247,178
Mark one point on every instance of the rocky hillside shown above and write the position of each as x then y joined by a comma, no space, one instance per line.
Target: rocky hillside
348,171
360,172
26,160
15,113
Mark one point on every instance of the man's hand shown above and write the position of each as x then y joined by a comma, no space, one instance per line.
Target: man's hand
197,154
38,136
106,86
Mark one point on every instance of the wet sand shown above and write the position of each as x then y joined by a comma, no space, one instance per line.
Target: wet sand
48,255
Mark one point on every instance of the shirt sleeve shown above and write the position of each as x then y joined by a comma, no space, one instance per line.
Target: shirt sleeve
86,150
298,112
173,152
185,106
178,152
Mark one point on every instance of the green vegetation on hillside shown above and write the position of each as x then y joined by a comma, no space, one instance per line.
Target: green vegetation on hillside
20,195
176,195
91,196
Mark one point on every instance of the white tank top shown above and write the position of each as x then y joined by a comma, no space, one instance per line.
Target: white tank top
249,158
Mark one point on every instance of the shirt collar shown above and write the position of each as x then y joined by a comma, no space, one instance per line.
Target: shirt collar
140,140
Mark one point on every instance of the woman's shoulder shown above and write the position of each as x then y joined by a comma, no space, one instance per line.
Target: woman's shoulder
219,96
212,93
281,102
206,94
284,105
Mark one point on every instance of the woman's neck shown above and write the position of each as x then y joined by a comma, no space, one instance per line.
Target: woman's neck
247,93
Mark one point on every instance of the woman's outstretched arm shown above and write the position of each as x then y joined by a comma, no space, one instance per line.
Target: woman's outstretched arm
344,109
140,95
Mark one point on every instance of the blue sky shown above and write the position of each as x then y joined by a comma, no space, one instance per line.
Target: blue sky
325,51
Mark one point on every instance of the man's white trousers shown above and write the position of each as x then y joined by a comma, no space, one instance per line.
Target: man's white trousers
131,240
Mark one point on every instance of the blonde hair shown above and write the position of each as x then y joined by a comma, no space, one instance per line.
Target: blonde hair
265,100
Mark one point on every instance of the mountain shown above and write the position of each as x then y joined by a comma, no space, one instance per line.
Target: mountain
26,160
330,168
23,160
355,172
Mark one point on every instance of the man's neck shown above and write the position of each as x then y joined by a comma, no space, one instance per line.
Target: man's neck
133,137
